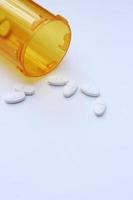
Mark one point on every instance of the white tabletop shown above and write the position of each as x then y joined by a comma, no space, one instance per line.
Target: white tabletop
56,149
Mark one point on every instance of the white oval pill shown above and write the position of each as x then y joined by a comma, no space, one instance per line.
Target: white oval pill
90,90
100,100
70,89
100,107
14,97
27,89
57,81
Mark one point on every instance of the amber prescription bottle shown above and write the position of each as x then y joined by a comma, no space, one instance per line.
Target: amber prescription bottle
35,39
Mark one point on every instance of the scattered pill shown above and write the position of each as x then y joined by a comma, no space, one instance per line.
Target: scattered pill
14,97
5,28
100,107
2,17
57,81
90,90
70,89
27,89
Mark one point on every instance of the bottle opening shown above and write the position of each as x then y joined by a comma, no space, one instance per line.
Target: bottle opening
46,48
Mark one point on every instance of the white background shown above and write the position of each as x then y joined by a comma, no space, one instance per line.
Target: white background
56,149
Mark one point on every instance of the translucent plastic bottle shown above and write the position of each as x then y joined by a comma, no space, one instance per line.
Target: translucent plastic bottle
34,38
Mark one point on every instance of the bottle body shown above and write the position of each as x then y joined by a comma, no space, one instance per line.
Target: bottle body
35,39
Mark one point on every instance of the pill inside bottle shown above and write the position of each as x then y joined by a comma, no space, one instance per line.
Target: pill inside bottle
32,37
